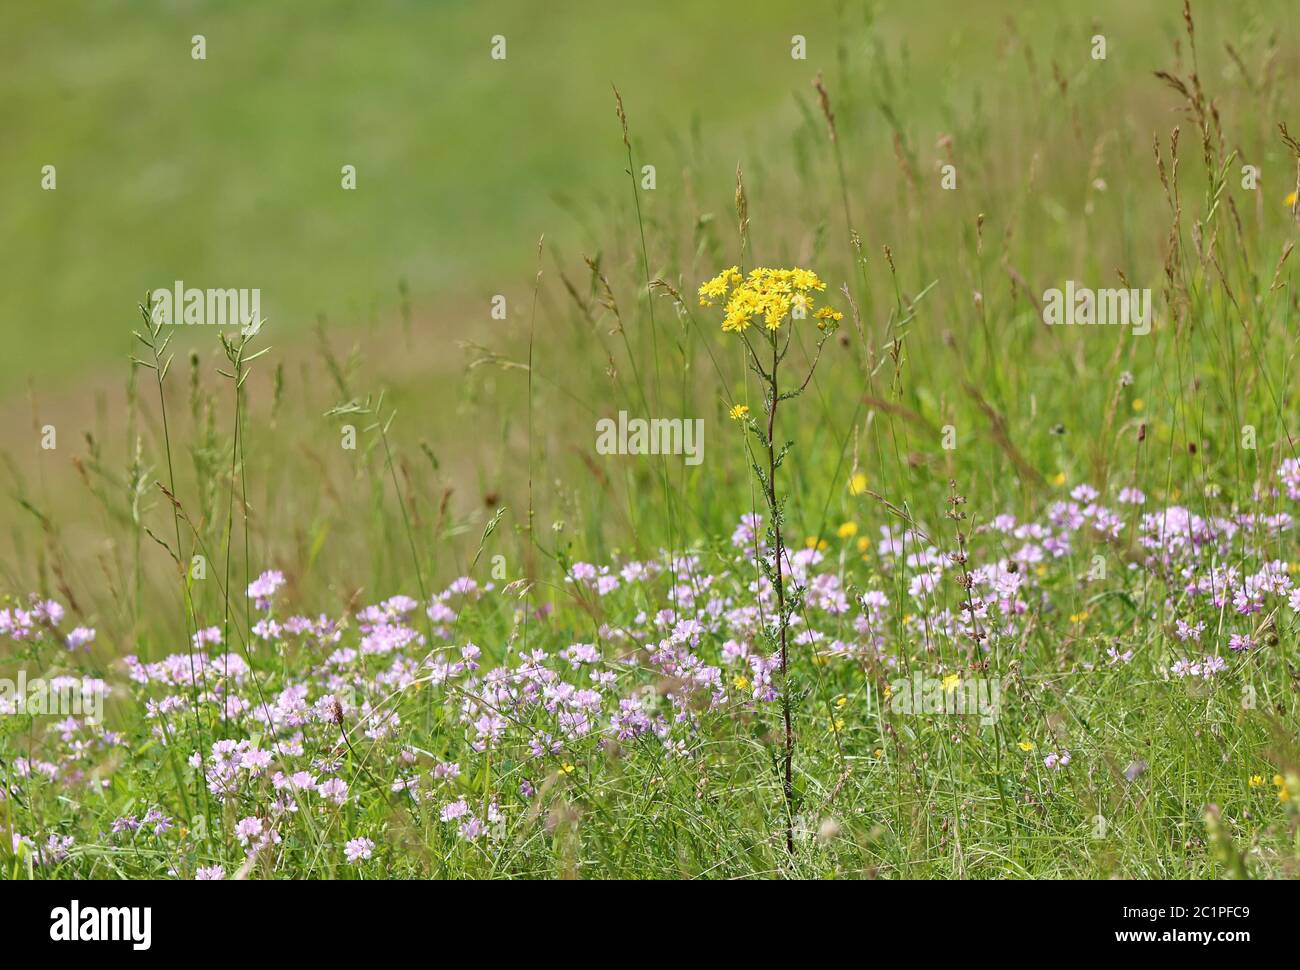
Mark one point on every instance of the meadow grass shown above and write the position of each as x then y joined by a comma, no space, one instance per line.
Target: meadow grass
473,645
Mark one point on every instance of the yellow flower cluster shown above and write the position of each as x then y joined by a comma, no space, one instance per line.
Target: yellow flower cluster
1280,783
770,295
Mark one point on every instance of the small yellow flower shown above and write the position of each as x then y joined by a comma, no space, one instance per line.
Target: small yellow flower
857,484
1058,479
826,317
771,295
1256,781
841,701
814,542
1290,200
717,287
1026,745
951,683
566,768
863,545
1138,404
889,692
847,531
1079,617
739,412
837,725
741,683
804,279
1283,792
879,752
1040,571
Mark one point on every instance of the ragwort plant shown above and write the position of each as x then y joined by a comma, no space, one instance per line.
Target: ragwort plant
771,298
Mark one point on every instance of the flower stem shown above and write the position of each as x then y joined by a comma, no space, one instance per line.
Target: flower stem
782,616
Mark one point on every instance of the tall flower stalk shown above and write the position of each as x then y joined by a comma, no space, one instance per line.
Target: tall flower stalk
152,337
773,297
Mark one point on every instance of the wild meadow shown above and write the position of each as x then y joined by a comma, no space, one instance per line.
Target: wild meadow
896,477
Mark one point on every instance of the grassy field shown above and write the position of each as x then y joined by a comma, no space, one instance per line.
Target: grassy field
951,592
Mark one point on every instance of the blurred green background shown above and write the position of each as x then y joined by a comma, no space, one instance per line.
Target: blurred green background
225,172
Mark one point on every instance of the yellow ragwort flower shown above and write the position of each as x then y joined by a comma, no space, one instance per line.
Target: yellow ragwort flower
826,316
716,288
770,295
847,531
739,412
